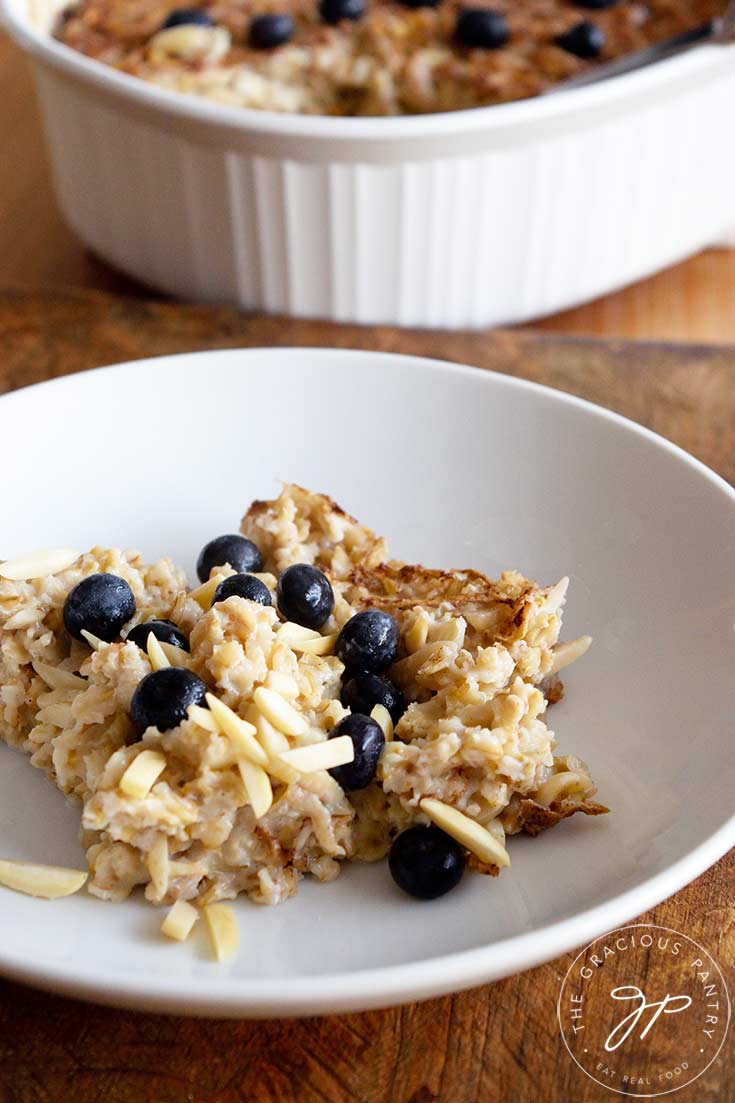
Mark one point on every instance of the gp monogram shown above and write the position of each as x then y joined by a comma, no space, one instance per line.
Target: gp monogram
669,1005
644,1010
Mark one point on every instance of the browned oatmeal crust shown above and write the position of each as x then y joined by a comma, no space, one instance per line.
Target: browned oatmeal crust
534,818
262,505
397,586
478,866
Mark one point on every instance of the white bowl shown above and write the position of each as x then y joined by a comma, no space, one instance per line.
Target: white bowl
468,218
459,468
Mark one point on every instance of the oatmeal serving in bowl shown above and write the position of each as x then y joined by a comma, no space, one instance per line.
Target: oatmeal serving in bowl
311,701
368,57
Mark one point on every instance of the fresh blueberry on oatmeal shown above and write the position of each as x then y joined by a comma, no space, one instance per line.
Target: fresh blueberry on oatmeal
482,28
181,17
165,631
241,554
585,40
101,604
425,862
163,698
334,11
368,740
368,643
243,585
305,595
269,31
363,692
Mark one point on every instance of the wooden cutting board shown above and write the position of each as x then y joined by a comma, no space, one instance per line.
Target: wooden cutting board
497,1044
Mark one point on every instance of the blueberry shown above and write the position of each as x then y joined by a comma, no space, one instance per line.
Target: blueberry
368,642
585,40
425,862
595,5
305,595
482,28
101,604
164,630
421,3
241,554
334,11
181,16
368,740
243,585
363,692
267,31
162,698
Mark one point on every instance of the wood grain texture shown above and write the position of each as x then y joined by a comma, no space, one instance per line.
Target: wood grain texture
496,1044
694,301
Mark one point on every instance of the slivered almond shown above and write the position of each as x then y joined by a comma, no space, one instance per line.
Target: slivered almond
381,715
417,634
158,864
179,921
175,655
561,785
203,594
240,733
202,717
291,633
281,771
324,645
320,756
465,831
58,679
222,927
306,640
38,564
567,653
274,743
156,654
555,596
94,641
280,713
142,773
48,882
257,786
271,740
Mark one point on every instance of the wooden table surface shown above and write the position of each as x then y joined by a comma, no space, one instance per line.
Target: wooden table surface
496,1044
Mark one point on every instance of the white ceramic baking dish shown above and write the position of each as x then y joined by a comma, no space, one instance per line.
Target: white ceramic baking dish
469,218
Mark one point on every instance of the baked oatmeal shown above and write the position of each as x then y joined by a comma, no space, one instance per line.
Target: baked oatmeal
369,57
311,701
